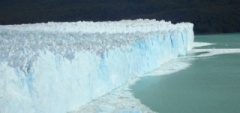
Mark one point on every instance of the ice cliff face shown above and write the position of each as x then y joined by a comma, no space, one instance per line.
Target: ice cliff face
57,67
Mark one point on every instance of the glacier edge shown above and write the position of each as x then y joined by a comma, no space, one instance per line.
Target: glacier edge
47,72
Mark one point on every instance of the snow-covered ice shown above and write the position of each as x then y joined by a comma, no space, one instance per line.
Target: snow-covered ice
58,67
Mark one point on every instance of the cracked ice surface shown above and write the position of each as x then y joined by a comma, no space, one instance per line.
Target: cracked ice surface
57,67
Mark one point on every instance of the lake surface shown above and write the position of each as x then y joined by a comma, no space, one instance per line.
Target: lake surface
210,85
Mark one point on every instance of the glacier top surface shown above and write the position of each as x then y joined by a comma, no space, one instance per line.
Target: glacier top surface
22,43
123,26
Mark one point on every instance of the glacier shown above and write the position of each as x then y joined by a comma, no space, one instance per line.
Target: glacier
57,67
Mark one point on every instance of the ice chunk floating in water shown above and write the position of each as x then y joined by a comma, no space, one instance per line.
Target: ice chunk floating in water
57,67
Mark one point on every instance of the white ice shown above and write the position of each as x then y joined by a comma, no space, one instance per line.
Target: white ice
212,52
58,67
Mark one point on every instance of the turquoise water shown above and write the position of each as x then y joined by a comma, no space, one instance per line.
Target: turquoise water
220,40
209,85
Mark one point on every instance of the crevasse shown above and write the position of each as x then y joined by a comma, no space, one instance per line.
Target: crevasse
57,67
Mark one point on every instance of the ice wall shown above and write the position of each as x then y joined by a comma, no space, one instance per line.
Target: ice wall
57,67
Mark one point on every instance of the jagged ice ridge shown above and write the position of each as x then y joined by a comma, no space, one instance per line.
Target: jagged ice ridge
57,67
